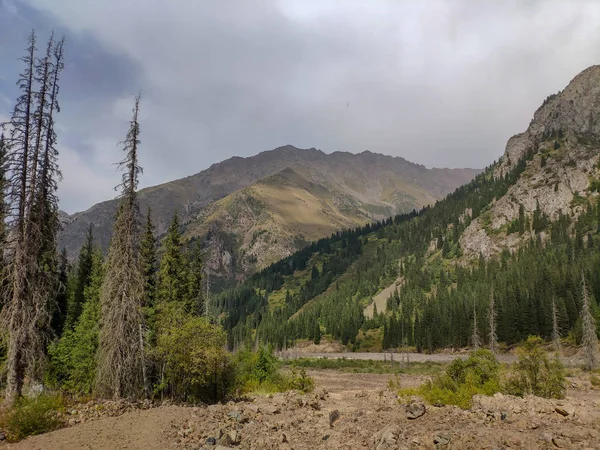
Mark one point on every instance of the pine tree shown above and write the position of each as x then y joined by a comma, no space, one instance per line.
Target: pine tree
32,213
60,312
120,370
82,279
172,278
195,296
588,324
493,337
148,258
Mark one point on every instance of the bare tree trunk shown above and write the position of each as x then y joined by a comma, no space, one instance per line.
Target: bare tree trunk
475,338
588,324
493,338
555,330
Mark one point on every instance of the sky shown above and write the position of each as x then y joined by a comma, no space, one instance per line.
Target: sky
440,83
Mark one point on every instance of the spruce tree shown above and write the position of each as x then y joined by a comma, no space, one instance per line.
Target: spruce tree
148,257
172,277
195,296
588,325
62,296
82,279
120,370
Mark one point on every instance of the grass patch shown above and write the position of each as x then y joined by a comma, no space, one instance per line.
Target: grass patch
369,365
31,416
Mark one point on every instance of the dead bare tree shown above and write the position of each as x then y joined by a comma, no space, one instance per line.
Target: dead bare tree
493,337
588,325
28,289
476,341
120,355
555,329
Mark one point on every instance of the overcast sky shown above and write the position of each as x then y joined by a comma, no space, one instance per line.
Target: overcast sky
441,83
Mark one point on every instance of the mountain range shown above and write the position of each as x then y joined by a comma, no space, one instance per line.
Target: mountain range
250,212
518,245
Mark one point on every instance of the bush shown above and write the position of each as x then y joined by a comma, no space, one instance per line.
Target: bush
479,374
535,374
192,360
259,372
300,381
30,416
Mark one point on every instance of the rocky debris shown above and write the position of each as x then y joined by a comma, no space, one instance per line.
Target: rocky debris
442,439
388,437
83,412
334,416
414,410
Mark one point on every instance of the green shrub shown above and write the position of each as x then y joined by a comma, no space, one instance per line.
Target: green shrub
194,365
534,373
479,374
300,381
259,372
30,416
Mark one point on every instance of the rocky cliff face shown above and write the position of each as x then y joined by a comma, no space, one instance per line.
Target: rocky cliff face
253,211
562,145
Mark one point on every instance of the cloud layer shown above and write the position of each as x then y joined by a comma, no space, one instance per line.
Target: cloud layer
440,83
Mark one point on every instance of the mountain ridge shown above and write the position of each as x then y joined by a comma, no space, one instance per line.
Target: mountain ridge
370,185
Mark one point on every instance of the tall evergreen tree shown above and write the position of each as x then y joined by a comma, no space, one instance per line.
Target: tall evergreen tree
148,258
172,278
555,328
121,355
60,311
82,279
195,279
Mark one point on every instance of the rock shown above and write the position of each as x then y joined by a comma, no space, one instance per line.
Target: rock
442,439
210,441
324,438
233,437
388,437
315,405
561,411
334,416
270,409
546,437
284,438
253,408
236,415
560,442
2,437
414,410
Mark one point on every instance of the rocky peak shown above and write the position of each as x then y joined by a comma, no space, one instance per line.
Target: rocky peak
571,113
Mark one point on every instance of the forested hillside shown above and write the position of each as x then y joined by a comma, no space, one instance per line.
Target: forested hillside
533,215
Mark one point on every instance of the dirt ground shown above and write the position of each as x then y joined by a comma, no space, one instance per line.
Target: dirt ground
346,411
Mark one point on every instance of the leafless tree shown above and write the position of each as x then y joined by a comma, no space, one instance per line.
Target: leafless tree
29,285
476,341
493,337
588,325
555,329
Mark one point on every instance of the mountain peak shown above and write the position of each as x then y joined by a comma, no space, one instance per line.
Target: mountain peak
573,112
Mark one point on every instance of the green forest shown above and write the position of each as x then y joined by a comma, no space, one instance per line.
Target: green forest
327,285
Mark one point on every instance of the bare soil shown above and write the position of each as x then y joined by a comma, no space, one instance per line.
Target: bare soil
346,411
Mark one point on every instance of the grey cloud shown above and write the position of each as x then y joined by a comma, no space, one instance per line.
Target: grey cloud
440,83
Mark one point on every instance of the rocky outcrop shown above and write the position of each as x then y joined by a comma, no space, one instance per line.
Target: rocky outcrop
561,145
